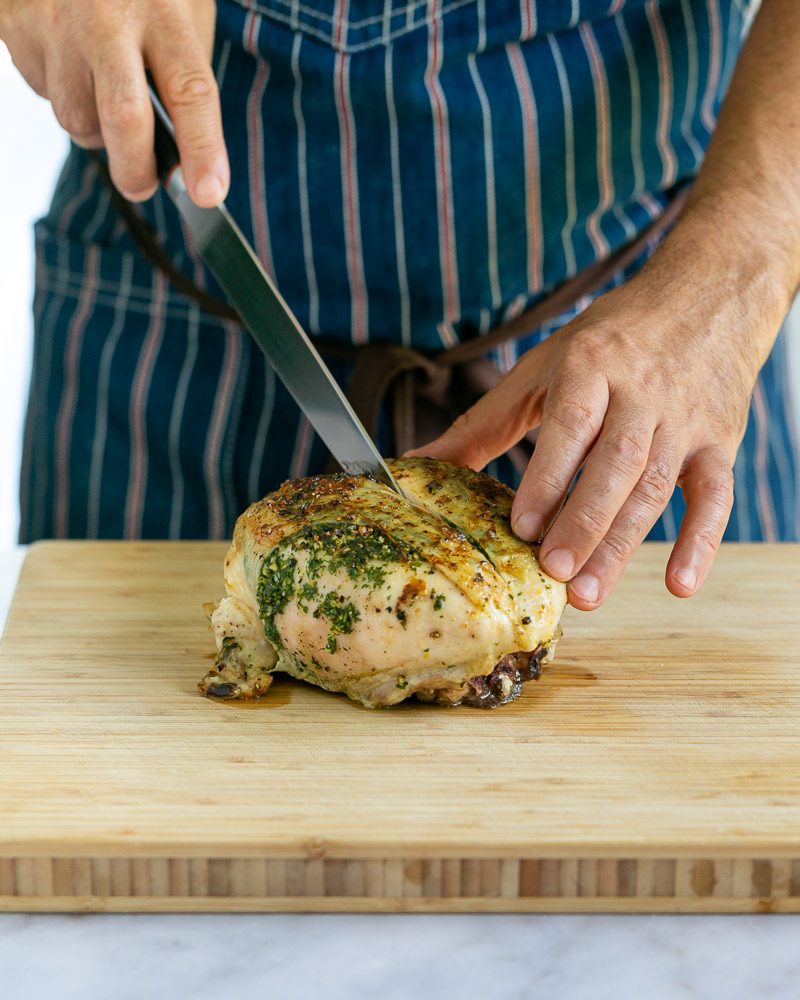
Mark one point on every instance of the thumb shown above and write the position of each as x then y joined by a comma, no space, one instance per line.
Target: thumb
489,428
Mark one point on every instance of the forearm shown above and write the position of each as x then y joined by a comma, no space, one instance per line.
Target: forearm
741,227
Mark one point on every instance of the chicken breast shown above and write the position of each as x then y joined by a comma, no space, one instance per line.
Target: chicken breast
340,582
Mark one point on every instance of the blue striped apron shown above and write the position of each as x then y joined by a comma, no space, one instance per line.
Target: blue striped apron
414,171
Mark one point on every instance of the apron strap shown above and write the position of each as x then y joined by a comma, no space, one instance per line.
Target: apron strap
589,281
429,390
147,241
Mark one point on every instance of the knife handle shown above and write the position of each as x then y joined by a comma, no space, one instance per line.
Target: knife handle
164,145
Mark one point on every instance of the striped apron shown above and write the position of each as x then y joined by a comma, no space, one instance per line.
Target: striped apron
409,171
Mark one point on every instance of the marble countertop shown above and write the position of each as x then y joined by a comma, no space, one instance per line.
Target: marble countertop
391,957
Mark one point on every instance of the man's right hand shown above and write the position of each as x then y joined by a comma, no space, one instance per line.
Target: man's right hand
88,58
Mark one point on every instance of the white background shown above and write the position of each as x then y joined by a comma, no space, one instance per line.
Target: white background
33,149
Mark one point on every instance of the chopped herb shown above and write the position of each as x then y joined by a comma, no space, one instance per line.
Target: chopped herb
276,587
402,682
307,592
340,614
362,551
438,600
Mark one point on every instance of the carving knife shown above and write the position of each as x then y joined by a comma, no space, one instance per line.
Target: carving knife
265,313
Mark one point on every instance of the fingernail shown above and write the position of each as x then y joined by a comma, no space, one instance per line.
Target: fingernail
586,588
209,190
560,563
687,577
139,196
528,527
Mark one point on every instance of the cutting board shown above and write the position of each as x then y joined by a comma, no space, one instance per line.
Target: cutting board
654,767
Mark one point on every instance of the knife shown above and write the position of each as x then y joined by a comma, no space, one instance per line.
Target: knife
265,313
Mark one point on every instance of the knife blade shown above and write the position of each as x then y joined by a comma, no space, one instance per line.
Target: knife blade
267,316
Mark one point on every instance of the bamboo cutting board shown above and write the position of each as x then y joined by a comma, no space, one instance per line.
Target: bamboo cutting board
654,767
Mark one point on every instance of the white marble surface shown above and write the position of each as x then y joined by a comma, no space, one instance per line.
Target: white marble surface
397,957
391,957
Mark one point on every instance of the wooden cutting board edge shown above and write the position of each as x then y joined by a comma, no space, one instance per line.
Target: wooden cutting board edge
329,904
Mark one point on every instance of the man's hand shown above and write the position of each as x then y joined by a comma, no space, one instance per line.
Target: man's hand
88,58
641,393
651,385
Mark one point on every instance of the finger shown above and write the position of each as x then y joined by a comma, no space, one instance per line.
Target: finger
204,16
187,86
571,420
707,484
612,470
629,528
126,117
28,56
71,92
493,425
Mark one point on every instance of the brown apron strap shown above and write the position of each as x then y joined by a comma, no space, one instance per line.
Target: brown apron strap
405,411
426,396
587,282
376,367
147,241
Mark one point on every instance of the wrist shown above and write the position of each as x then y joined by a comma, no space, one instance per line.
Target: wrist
737,232
721,274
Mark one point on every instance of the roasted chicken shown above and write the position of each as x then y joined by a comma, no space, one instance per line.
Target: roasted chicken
340,582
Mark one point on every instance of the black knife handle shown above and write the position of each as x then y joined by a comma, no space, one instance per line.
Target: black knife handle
164,145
